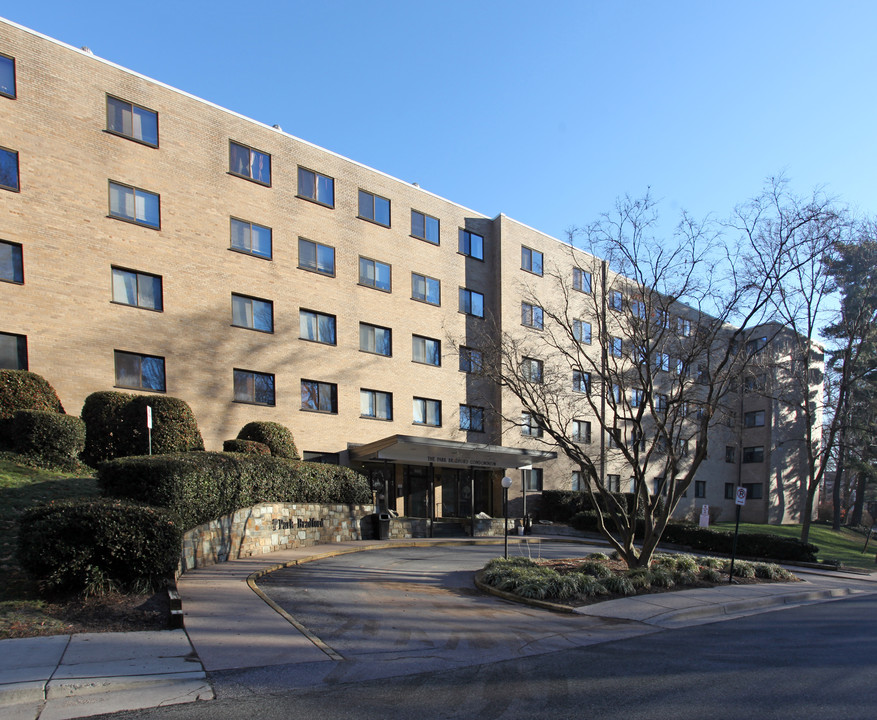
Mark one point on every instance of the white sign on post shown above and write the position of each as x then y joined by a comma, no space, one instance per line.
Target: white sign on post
704,516
740,499
149,416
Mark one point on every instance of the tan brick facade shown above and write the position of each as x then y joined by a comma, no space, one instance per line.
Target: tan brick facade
61,218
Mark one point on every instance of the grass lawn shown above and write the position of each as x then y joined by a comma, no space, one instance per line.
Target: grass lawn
844,544
20,488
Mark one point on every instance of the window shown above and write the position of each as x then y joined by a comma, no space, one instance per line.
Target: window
132,121
662,362
637,439
682,448
637,397
531,260
374,208
11,265
471,244
317,327
753,419
471,302
753,454
425,227
612,438
756,345
730,454
660,488
471,360
683,327
581,381
374,274
613,483
577,484
141,372
581,331
471,418
253,387
426,350
375,339
662,402
316,257
532,479
137,289
615,394
13,351
529,425
531,370
700,488
615,347
314,186
531,316
638,309
754,384
730,491
754,491
9,169
7,76
134,205
319,396
252,313
426,289
581,431
376,404
427,412
249,163
581,280
616,300
247,237
326,458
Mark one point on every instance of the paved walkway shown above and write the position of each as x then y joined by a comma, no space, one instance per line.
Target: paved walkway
234,630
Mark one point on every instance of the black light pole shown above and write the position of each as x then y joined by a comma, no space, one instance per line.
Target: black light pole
506,484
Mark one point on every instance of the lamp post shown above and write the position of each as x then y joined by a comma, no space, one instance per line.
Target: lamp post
506,484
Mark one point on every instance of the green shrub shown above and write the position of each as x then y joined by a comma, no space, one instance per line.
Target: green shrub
769,571
115,426
641,578
250,447
277,437
685,577
204,486
563,505
595,568
48,435
662,577
91,546
23,390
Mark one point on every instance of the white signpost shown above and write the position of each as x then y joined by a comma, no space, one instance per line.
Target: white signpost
149,426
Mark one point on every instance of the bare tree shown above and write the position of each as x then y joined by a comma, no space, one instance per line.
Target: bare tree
670,336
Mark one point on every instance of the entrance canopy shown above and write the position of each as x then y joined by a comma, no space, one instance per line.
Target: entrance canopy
429,451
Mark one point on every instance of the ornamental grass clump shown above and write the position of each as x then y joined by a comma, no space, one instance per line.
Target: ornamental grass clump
662,577
743,569
640,577
685,577
598,556
771,571
618,585
596,569
710,574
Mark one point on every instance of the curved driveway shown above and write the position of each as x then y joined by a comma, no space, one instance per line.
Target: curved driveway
419,606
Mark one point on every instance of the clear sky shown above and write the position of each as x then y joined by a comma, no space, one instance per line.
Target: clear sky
546,111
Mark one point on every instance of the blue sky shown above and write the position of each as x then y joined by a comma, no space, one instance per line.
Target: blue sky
544,111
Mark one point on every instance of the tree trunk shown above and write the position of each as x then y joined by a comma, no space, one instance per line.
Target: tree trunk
859,505
835,495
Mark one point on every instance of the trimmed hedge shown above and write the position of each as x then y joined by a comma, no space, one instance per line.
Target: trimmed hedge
276,436
204,486
48,435
115,426
561,505
23,390
246,446
757,545
92,546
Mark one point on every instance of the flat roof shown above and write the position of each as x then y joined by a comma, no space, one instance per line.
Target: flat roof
447,453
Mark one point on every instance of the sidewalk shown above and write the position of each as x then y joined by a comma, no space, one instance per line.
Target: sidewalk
231,625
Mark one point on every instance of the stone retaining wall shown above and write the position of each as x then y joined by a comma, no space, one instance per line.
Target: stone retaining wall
269,527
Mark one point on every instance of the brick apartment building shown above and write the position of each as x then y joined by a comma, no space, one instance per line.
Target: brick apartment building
153,242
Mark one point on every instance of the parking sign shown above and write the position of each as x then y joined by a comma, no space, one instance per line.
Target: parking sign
740,499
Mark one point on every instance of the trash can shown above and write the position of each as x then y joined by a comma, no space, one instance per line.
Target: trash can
382,529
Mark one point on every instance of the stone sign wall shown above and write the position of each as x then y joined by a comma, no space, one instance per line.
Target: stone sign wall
269,527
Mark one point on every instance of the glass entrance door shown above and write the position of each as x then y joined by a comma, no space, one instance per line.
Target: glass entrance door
416,480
